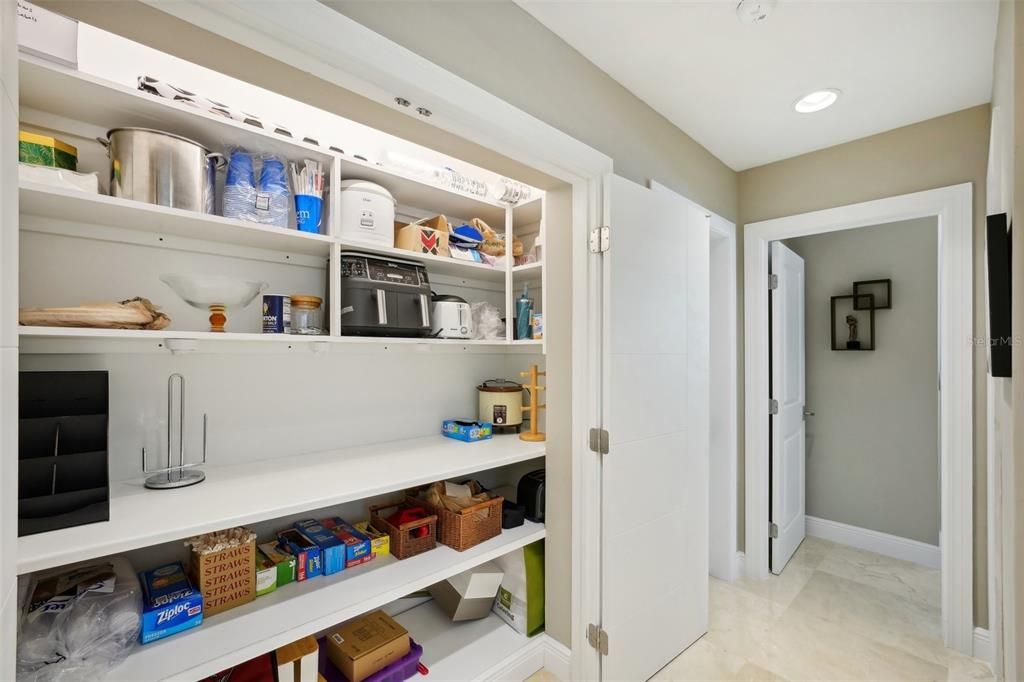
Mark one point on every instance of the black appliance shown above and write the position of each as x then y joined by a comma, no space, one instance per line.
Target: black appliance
530,494
63,479
999,253
383,296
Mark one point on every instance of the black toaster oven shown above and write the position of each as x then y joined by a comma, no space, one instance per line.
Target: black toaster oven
383,296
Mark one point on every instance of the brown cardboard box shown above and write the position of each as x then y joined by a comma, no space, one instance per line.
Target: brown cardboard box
226,578
363,646
425,236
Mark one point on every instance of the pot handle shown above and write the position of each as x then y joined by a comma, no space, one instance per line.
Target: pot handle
222,160
105,142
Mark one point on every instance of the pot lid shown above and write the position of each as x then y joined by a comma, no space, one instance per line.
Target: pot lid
157,132
499,386
446,298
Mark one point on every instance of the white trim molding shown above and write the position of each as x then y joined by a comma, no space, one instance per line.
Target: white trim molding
558,659
983,646
929,556
952,207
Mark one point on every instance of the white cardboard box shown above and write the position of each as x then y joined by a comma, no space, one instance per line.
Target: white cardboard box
469,595
47,34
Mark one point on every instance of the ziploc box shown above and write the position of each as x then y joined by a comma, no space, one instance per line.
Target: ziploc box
169,603
284,562
380,543
331,548
306,552
357,545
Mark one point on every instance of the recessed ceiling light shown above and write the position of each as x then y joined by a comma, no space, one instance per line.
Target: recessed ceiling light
816,101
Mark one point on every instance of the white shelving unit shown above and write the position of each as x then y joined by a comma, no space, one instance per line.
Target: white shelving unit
82,105
299,609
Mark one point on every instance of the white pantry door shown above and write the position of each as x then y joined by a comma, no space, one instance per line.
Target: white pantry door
654,545
787,427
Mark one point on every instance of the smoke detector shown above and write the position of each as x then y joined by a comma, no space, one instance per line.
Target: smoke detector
754,11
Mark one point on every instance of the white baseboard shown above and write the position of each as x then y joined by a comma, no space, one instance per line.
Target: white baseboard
871,540
983,645
558,659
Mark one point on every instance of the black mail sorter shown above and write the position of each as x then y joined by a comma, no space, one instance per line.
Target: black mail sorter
63,479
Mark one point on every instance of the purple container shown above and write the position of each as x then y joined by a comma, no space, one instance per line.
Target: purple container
399,671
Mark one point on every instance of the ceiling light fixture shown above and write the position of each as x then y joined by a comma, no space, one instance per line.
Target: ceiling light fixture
816,101
754,11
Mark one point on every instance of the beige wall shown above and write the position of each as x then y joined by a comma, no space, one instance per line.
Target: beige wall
943,151
873,443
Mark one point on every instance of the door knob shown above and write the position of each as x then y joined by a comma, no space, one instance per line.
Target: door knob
808,413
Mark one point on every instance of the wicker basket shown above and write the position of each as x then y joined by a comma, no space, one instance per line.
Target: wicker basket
403,542
469,527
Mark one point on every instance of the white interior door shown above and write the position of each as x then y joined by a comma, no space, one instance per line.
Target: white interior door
787,427
654,552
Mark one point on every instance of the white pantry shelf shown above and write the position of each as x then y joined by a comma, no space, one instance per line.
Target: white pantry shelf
159,221
436,265
139,517
75,340
299,609
466,650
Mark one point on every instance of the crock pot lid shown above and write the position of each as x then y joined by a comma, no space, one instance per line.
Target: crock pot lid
367,186
447,298
159,132
500,386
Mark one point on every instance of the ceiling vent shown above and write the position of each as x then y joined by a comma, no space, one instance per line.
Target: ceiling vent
754,11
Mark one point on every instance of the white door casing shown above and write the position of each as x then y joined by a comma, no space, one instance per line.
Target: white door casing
654,557
788,493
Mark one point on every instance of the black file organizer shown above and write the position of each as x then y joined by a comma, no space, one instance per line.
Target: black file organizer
63,479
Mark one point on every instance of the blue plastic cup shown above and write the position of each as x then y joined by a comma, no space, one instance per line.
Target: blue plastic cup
307,212
272,178
240,170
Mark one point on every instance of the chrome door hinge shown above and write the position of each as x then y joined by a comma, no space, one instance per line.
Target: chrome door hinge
598,639
773,406
773,282
599,238
599,441
773,531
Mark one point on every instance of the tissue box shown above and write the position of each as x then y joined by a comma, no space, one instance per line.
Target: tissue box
283,562
380,543
469,595
305,551
169,603
332,549
357,545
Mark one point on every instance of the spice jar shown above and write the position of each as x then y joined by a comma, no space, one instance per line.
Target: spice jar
307,318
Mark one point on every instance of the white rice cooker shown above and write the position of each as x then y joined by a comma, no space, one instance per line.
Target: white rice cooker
501,403
367,213
451,317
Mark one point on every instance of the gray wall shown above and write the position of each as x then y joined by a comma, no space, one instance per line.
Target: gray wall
943,151
873,444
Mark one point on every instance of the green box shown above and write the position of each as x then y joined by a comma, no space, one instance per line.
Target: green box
285,562
41,150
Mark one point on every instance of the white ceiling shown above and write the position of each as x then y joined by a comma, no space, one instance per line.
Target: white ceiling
731,86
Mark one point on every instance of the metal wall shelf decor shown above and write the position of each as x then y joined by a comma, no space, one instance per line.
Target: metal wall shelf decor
868,296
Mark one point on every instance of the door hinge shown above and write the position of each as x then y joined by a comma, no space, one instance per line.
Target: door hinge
599,239
773,282
773,531
599,441
773,406
598,639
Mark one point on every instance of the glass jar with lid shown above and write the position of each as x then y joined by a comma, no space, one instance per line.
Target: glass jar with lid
307,317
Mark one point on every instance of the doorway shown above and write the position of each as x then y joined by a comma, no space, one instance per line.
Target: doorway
951,208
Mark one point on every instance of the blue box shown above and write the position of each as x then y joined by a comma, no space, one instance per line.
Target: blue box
169,603
468,430
331,548
309,562
358,549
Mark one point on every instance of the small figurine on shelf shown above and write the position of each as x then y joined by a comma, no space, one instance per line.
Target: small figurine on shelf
534,434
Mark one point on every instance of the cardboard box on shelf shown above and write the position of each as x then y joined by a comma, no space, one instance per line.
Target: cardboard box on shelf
225,577
362,646
285,563
305,551
357,546
266,574
380,543
332,549
424,236
297,662
469,595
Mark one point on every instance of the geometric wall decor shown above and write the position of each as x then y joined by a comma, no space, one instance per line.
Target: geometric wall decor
881,288
850,330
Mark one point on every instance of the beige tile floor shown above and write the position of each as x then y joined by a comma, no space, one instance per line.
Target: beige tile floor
836,613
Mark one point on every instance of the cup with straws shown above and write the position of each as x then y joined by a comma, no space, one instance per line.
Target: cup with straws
308,183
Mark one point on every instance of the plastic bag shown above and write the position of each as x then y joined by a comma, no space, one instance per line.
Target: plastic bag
79,622
266,201
487,324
